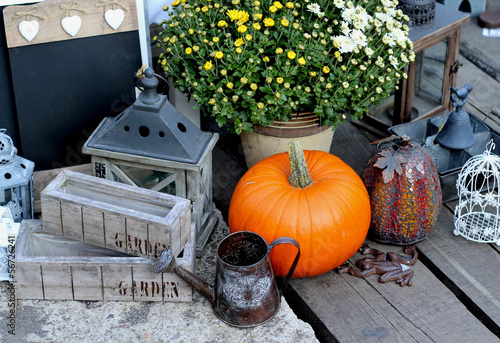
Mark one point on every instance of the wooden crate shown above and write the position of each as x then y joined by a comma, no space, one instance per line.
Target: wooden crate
116,216
58,268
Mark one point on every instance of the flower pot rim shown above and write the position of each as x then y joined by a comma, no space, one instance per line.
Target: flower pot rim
299,125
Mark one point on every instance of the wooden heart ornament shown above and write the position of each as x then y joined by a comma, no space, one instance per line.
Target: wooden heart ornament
72,24
29,29
114,18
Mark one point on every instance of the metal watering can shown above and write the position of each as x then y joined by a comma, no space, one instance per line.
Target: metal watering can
245,293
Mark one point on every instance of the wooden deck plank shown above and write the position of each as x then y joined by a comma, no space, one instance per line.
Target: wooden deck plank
484,95
364,310
473,267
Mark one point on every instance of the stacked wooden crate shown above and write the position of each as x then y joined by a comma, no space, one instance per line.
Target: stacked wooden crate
98,240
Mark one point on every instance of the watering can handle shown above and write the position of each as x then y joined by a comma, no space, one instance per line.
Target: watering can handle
287,240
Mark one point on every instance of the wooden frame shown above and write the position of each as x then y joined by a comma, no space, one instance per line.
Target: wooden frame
446,27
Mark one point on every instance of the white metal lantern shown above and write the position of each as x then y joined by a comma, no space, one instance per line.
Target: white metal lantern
477,215
16,180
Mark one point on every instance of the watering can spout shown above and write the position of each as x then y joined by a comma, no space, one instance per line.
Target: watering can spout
166,263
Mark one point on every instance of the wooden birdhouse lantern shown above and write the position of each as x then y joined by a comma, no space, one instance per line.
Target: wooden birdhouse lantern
16,180
152,145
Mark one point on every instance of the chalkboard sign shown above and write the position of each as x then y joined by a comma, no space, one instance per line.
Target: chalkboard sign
67,78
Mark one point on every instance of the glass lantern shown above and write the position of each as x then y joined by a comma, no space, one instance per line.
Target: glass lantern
426,91
16,180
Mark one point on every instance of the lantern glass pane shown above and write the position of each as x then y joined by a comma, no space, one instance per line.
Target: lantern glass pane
429,79
159,181
5,196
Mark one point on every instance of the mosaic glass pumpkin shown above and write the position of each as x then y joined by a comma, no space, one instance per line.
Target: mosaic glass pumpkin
405,192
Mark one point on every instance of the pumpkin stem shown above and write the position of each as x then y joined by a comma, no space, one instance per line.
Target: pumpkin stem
300,176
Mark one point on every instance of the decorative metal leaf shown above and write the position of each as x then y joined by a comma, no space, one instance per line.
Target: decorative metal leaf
390,162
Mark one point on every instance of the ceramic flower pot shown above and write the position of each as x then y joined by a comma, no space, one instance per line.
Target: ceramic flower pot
273,139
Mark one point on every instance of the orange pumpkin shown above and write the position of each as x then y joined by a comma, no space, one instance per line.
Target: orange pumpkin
325,207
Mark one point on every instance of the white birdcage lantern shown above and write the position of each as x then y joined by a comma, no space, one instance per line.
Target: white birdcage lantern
16,180
477,215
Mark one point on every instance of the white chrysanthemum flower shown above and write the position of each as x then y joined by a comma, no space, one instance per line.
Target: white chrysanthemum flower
348,13
397,34
344,28
391,11
314,8
339,3
404,59
346,44
369,51
387,3
359,37
387,40
393,61
382,17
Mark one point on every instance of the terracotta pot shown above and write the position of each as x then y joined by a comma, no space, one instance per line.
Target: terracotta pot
273,139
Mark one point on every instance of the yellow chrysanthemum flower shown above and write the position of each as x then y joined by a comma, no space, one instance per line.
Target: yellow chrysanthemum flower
242,29
253,86
278,5
239,51
343,67
312,73
189,50
326,70
273,9
204,9
196,48
219,54
208,65
223,72
256,26
337,54
279,51
258,16
222,23
268,22
302,61
260,105
229,85
280,80
243,80
233,14
291,55
285,22
248,37
289,5
266,59
190,31
239,42
215,39
176,3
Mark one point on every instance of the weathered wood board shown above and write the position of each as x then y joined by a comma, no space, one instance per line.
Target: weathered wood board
56,268
42,178
470,265
55,17
364,310
120,217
